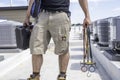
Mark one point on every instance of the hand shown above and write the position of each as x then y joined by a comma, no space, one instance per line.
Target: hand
86,22
27,19
26,22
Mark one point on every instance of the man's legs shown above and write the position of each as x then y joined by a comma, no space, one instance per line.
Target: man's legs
63,62
37,61
59,29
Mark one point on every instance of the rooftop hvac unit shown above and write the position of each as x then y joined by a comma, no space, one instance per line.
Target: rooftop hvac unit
95,35
117,16
7,34
91,28
103,33
114,33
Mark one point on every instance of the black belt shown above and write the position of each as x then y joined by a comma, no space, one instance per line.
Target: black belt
44,10
52,11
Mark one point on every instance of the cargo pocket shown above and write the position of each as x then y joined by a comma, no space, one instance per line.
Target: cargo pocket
63,40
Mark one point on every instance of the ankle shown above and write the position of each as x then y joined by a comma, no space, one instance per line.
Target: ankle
62,74
36,73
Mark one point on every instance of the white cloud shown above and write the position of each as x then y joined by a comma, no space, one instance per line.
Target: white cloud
116,11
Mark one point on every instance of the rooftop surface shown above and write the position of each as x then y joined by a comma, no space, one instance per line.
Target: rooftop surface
17,66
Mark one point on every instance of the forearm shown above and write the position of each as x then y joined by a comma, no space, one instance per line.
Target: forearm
29,8
84,6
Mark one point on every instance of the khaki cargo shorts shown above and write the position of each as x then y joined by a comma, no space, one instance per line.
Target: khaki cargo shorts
50,25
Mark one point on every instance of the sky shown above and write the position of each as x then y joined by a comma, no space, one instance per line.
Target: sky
7,3
98,9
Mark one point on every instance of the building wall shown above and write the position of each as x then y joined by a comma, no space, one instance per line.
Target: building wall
16,15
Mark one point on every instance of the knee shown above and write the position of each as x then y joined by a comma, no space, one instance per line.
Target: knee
37,55
62,52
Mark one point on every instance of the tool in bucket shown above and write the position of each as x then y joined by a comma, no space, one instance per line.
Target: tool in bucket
88,64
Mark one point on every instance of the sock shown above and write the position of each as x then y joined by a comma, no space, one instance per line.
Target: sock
62,73
35,73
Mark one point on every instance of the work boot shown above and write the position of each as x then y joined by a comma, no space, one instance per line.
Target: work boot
61,77
34,77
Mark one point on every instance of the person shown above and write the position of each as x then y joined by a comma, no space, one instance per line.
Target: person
52,22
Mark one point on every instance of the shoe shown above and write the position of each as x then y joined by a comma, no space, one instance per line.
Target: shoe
61,77
34,77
